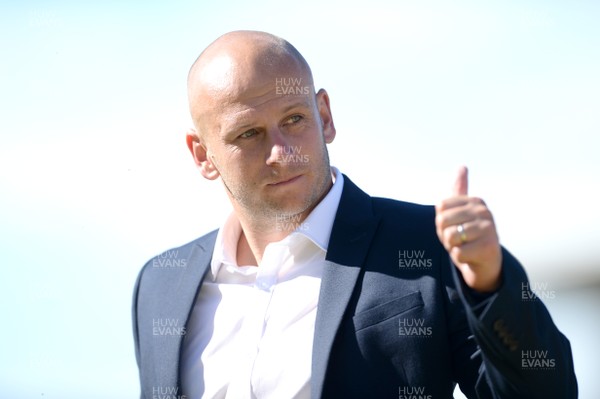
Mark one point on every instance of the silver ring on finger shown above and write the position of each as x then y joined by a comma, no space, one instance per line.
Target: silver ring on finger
460,229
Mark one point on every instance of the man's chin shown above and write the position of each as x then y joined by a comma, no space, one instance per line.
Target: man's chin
290,204
288,211
277,208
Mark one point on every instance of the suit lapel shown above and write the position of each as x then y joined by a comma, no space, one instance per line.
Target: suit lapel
351,236
200,258
182,297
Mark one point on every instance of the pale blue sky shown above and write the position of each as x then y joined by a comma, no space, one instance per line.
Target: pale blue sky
95,177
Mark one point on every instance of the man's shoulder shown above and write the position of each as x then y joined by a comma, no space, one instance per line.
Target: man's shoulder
179,258
355,198
402,218
203,243
393,205
411,213
393,217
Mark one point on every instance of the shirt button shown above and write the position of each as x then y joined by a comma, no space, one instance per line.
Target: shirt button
265,282
263,285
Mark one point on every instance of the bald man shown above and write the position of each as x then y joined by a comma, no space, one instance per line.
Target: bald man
312,288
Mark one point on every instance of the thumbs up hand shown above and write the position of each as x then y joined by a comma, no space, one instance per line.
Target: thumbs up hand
466,228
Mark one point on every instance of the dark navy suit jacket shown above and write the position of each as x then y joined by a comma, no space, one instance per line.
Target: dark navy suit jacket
394,319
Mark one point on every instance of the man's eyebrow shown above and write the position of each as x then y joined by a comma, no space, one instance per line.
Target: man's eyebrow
241,127
233,127
231,132
300,104
237,128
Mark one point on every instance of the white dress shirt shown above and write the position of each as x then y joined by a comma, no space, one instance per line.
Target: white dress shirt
251,330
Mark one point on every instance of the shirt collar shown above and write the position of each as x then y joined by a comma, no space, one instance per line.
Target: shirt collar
316,227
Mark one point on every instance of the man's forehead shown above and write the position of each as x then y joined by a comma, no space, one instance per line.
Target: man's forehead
215,74
226,77
234,115
227,91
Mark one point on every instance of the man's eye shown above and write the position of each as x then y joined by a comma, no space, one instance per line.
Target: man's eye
294,119
248,133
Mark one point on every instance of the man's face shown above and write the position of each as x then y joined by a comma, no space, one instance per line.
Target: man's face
265,136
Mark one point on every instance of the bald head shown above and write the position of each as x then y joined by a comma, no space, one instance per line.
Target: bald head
253,102
241,67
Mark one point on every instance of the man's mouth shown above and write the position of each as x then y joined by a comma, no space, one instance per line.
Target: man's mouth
285,181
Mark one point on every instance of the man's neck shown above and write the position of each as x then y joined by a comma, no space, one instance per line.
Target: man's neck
256,235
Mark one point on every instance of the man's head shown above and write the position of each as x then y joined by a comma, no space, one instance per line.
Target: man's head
259,124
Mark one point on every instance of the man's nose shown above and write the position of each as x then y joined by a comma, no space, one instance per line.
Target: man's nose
277,145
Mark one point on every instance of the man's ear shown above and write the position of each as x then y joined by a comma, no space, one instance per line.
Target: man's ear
325,113
198,150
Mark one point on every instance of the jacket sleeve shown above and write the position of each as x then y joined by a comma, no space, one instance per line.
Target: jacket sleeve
523,354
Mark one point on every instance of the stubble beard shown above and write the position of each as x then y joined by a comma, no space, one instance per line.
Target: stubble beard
266,211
